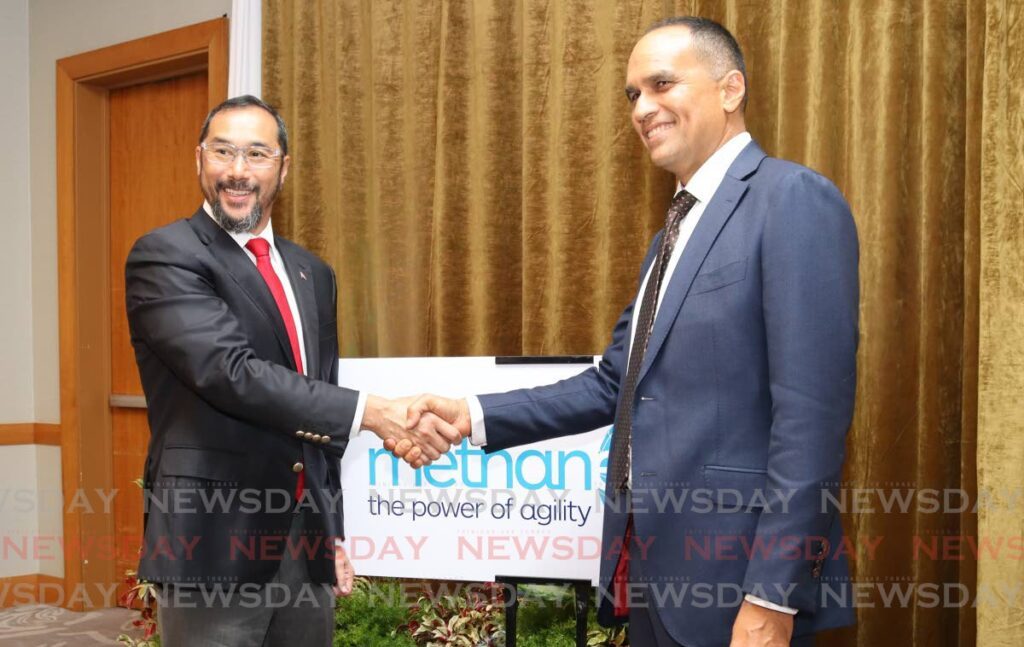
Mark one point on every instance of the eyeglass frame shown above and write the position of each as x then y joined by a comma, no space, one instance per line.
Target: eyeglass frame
274,153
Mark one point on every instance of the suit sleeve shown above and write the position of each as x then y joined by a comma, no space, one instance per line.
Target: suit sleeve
175,312
575,405
335,466
810,295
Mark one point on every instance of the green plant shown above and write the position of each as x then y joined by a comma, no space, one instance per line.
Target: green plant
547,618
372,616
607,637
542,607
143,594
471,620
559,634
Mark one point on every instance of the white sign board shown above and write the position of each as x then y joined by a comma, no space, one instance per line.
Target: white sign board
532,511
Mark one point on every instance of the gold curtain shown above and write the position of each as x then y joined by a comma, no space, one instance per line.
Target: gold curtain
469,169
999,228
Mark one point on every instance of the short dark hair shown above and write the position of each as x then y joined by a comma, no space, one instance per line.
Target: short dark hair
714,44
248,101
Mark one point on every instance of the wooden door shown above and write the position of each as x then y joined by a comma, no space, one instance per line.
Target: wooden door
154,128
128,117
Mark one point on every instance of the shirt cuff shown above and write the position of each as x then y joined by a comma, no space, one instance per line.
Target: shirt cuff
357,419
753,599
478,435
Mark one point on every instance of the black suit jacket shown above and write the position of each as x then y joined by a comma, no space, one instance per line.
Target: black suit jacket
228,413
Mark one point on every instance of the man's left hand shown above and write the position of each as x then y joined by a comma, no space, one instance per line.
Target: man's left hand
343,571
757,626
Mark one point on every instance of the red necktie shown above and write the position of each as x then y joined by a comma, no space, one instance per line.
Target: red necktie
620,579
261,250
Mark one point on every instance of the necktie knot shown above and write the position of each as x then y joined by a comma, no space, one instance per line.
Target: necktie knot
259,247
681,205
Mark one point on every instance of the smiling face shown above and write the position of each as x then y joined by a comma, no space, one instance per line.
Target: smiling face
681,112
241,197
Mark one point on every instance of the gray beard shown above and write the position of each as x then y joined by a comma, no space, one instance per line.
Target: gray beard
243,226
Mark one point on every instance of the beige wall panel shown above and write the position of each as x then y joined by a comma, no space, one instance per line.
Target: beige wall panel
16,381
61,28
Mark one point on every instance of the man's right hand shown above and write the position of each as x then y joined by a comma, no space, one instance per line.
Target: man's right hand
418,444
430,418
455,412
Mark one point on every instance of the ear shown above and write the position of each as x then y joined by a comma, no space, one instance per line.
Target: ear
199,160
285,164
734,89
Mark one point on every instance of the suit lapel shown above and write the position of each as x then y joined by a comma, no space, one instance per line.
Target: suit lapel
243,271
716,214
301,277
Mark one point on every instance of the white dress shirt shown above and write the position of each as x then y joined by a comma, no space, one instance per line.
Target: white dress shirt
277,264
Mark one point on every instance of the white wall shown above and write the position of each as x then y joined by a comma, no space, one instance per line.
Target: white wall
19,513
30,511
16,361
60,28
51,518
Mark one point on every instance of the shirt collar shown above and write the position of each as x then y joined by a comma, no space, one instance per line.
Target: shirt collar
267,234
709,176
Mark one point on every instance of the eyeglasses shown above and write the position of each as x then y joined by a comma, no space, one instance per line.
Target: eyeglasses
255,156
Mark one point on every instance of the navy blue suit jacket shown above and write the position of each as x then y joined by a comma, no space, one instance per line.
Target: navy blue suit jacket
744,400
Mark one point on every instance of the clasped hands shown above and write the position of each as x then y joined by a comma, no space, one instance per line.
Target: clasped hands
417,429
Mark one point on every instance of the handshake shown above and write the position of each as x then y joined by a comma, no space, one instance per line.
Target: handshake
417,429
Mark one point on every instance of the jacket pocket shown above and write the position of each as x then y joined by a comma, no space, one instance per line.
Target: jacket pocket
736,487
202,463
719,278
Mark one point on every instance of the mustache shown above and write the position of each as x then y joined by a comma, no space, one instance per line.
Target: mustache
236,185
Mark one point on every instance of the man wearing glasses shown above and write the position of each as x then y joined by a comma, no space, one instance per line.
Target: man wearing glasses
235,335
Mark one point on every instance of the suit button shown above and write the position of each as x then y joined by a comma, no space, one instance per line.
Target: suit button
297,467
316,438
300,434
325,439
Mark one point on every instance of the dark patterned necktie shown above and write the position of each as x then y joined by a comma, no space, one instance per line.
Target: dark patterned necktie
618,471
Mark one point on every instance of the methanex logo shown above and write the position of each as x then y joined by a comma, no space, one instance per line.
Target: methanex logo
469,467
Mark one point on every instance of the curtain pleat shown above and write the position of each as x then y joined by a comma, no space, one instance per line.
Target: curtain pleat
1000,421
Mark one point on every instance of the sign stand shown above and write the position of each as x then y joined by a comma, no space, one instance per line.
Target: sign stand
511,584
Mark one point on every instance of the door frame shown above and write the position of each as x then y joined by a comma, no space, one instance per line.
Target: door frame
84,82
